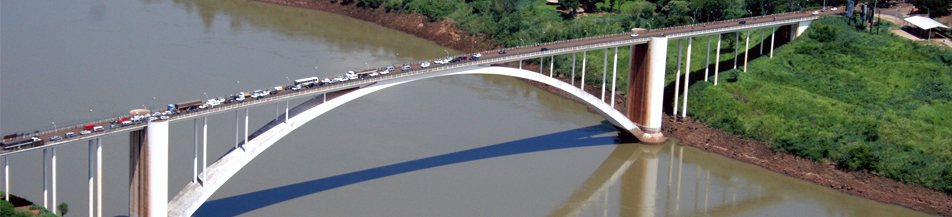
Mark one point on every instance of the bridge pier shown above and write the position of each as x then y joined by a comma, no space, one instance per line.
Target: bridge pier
246,125
707,64
584,59
614,76
99,177
736,49
773,35
6,178
687,72
148,165
92,208
551,65
204,148
53,164
237,136
746,50
717,59
541,63
195,153
763,33
45,192
572,80
646,88
677,78
604,73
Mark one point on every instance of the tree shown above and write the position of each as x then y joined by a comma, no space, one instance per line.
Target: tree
63,208
571,5
935,8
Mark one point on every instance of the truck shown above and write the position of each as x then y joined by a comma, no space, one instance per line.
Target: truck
186,106
28,142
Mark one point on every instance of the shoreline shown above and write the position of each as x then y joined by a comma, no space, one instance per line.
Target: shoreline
690,132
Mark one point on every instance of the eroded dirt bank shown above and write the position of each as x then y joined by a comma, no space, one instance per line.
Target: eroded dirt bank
690,132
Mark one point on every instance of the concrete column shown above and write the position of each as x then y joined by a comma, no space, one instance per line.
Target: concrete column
604,73
520,67
614,76
584,59
195,154
287,109
204,149
277,113
520,64
91,171
646,87
772,36
763,33
717,59
45,192
99,177
746,48
53,164
793,31
802,26
541,61
246,125
573,70
6,178
153,161
707,64
736,49
237,136
687,71
551,66
677,78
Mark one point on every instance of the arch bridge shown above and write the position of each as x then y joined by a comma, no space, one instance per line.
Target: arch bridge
641,118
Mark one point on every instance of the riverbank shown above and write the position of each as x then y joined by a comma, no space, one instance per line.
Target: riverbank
690,132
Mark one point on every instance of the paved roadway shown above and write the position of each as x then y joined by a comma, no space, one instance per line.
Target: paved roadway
489,57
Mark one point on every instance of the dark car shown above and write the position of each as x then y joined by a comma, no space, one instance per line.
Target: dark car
743,22
545,49
502,52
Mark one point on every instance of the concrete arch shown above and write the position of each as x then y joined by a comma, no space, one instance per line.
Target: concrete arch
187,201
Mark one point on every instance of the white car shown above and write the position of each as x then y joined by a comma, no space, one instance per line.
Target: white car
816,12
634,34
833,9
425,64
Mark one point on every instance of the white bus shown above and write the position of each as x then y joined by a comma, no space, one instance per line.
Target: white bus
304,81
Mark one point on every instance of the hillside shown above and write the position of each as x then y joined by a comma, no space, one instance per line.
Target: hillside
872,102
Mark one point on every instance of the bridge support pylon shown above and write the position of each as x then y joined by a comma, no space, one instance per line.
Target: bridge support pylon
646,88
148,170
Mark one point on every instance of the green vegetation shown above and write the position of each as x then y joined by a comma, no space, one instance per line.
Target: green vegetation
865,101
63,208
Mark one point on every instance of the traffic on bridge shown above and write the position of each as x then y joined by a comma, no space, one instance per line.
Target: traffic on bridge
351,79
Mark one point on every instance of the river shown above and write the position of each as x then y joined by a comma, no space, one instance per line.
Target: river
449,146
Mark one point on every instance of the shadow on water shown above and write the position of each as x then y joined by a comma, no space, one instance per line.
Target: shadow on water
240,204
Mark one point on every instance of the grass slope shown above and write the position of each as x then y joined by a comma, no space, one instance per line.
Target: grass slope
874,102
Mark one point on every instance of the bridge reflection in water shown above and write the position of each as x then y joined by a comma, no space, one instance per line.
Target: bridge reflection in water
633,169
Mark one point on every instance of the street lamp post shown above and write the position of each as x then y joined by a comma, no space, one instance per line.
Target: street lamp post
54,125
206,95
289,80
444,50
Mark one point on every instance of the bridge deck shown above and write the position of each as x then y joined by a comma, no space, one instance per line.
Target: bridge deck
489,57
